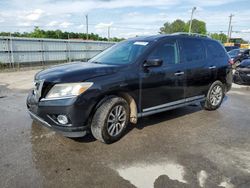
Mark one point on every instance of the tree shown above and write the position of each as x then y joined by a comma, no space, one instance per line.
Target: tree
38,33
221,37
166,28
180,26
197,26
176,26
58,34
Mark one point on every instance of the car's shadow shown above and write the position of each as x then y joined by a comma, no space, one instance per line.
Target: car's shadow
167,115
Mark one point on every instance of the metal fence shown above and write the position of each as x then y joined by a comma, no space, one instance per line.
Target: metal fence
15,51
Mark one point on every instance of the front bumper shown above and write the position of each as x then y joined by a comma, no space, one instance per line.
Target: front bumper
68,132
76,109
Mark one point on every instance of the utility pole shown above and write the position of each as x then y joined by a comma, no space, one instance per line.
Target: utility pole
229,27
231,30
87,26
109,33
191,20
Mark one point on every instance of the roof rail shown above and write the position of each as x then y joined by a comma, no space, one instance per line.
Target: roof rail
191,34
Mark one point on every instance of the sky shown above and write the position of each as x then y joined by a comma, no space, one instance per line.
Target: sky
126,18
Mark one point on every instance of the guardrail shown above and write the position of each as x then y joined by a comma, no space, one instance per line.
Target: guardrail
15,51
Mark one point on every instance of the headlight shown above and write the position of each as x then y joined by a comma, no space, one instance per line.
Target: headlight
68,90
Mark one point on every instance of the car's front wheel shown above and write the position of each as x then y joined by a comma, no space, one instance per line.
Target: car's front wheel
110,120
214,97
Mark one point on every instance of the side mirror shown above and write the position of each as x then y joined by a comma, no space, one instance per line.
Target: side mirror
153,63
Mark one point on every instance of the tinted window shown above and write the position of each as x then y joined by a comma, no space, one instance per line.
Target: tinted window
214,49
233,53
193,49
167,52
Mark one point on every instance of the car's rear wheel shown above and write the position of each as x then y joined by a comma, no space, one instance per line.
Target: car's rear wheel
214,97
110,120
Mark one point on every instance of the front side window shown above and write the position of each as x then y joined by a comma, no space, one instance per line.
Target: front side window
167,51
121,53
193,50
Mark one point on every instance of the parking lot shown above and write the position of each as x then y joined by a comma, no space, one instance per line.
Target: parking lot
186,147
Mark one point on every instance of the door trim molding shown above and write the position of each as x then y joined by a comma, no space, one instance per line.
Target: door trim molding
171,105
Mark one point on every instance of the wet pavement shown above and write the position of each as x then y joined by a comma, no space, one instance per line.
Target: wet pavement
186,147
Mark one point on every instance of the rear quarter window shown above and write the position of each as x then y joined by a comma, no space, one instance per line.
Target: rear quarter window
214,49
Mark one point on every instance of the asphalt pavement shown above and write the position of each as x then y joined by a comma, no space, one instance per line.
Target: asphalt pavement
186,147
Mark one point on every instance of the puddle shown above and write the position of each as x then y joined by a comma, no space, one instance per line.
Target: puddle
226,184
144,175
202,177
166,174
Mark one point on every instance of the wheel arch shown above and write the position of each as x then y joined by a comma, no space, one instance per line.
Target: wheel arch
133,116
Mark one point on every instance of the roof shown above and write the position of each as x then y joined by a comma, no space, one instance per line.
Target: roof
161,36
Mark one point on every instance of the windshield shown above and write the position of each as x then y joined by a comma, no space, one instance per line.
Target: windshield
233,53
121,53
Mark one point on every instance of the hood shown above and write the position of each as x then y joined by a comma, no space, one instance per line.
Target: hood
75,72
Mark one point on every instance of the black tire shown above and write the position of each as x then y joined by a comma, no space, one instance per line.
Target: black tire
99,124
208,103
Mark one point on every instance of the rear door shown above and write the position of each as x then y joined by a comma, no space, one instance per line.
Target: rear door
198,75
217,59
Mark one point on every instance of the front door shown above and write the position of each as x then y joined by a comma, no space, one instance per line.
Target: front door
164,85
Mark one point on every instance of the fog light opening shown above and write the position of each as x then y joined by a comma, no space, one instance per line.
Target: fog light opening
62,119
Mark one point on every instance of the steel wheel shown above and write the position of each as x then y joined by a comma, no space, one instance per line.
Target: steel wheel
216,95
116,120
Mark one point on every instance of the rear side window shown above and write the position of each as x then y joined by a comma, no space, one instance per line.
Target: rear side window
193,49
214,49
167,51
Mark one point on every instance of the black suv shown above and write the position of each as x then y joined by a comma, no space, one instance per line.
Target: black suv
134,78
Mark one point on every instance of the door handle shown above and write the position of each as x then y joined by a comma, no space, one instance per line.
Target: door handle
212,67
178,73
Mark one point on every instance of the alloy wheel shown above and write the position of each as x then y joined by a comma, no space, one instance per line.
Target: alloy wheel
116,120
